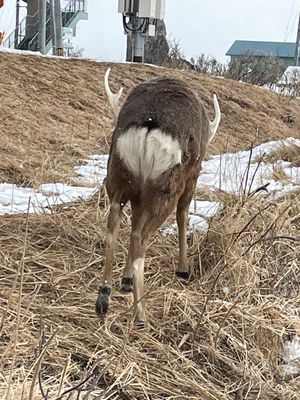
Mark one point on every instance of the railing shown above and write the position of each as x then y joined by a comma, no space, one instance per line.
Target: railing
20,32
76,5
71,9
33,43
17,35
14,40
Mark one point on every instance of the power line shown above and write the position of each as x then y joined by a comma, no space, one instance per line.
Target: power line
288,26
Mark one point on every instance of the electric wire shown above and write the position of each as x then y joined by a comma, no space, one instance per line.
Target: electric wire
143,26
290,25
289,21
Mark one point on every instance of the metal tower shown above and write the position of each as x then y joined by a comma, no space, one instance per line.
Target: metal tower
139,21
43,26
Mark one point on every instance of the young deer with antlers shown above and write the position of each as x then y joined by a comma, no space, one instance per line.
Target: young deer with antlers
160,138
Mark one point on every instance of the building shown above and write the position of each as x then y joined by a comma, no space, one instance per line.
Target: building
26,34
283,50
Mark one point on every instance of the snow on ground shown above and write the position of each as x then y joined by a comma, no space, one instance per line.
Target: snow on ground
226,172
291,358
39,54
27,53
291,76
199,211
15,199
94,171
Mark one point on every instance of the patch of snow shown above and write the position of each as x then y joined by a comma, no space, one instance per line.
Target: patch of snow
96,59
15,199
93,171
199,211
204,208
291,358
290,75
28,53
226,172
226,290
197,223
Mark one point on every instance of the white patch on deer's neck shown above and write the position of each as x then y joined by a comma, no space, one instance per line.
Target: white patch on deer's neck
148,154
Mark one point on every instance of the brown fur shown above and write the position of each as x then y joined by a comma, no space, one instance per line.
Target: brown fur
170,105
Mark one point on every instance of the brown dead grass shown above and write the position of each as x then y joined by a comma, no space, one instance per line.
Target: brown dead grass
219,336
279,174
54,113
285,152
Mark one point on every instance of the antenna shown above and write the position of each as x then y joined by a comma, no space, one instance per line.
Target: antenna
139,21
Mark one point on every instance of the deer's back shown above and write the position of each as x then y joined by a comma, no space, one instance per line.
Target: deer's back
161,110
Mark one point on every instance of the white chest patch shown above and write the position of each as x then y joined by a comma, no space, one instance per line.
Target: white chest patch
148,155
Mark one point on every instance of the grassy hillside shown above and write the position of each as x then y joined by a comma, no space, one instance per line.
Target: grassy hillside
219,336
54,113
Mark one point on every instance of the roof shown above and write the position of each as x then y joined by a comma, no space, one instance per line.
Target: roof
275,49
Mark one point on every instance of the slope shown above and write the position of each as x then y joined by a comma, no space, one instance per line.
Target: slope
231,332
54,113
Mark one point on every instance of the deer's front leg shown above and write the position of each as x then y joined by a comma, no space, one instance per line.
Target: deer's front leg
182,217
127,280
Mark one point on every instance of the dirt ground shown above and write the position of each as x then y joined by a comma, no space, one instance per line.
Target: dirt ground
219,336
54,113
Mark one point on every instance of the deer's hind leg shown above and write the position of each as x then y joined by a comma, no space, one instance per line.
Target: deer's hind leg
182,220
149,222
136,224
113,226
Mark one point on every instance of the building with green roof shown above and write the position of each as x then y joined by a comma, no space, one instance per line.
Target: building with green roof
285,51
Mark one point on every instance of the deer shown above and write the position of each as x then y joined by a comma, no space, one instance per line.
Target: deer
160,138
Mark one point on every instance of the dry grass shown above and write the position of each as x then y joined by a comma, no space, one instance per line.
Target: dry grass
285,152
217,337
54,113
279,174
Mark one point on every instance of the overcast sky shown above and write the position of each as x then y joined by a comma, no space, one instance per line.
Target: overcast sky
201,26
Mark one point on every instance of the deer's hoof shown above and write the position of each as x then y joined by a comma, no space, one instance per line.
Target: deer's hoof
183,274
103,300
126,285
142,325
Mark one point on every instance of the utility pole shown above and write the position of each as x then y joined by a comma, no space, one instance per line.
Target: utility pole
297,50
17,23
52,27
42,26
58,28
138,41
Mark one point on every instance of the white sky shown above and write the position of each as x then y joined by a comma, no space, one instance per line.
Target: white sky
209,26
